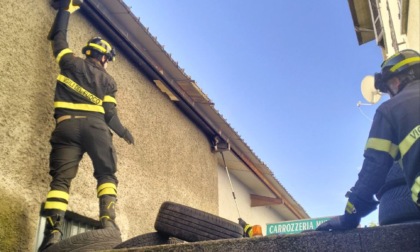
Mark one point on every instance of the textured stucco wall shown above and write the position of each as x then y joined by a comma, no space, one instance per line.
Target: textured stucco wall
170,161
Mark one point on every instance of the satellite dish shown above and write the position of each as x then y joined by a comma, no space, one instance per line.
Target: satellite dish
369,92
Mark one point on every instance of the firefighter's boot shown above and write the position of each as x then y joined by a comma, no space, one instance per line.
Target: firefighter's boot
52,232
107,211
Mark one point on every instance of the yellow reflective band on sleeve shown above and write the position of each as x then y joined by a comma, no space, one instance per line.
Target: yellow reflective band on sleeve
109,98
350,208
107,189
62,53
409,140
55,205
248,230
79,106
58,194
382,145
415,190
404,62
78,89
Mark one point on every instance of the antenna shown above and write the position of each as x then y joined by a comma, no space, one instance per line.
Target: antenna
369,92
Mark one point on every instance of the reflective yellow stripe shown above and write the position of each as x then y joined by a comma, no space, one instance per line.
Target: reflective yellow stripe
105,185
62,53
100,48
107,44
109,98
58,194
55,205
79,106
107,191
350,208
107,188
248,230
80,90
415,190
409,140
50,220
404,62
382,145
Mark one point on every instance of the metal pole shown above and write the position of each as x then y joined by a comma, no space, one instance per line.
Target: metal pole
231,186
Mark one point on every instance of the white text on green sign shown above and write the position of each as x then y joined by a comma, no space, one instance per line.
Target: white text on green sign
294,227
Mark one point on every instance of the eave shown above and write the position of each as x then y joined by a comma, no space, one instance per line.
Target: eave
362,20
123,29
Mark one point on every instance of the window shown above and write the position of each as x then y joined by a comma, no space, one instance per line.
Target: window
73,224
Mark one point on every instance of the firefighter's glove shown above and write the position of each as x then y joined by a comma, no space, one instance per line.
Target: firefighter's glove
242,222
67,5
356,209
128,137
342,222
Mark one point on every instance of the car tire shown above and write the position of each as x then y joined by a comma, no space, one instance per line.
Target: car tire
396,205
99,239
190,224
148,239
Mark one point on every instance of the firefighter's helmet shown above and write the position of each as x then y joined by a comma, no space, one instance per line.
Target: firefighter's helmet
396,64
96,46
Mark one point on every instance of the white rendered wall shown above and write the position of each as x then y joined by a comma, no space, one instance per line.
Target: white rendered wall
252,215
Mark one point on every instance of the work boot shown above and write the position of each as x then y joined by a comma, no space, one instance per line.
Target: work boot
107,211
52,232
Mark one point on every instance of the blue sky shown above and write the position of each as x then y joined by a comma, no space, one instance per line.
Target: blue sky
286,76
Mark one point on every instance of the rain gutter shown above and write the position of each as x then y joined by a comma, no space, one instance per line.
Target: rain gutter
202,112
92,12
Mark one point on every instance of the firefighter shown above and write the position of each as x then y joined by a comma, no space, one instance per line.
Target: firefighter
393,137
247,228
84,109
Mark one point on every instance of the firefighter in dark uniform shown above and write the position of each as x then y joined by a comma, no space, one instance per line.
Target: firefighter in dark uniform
246,227
393,137
84,109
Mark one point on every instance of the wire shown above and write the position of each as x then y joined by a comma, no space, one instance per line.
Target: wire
359,104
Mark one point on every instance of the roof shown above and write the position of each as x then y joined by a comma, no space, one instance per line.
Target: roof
362,20
124,29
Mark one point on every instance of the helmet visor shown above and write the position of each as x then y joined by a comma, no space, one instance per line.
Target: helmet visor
380,83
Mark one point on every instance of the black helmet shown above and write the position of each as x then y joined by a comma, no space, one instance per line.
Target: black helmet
98,45
396,64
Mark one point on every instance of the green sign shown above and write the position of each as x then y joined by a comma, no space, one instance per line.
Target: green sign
294,227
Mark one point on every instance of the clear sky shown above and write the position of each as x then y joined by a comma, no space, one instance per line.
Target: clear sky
286,76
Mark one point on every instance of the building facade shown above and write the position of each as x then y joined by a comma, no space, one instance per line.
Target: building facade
393,24
175,126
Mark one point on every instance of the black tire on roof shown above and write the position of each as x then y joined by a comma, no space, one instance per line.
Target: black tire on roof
148,239
190,224
98,239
